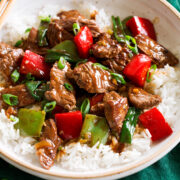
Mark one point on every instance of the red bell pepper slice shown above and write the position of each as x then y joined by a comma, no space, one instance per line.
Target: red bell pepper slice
84,41
154,121
139,25
69,124
34,64
96,99
137,69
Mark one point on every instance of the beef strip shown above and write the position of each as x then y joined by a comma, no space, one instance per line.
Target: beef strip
142,99
24,97
106,47
160,55
31,43
10,59
111,52
69,14
47,153
68,18
119,63
115,109
98,109
92,78
58,92
57,34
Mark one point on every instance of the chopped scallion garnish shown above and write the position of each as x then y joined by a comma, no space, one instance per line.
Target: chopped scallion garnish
101,66
123,38
124,21
10,99
81,62
15,76
42,30
28,30
61,63
150,74
18,43
48,107
118,77
45,19
85,107
14,119
76,28
68,86
131,43
60,148
29,77
42,36
120,39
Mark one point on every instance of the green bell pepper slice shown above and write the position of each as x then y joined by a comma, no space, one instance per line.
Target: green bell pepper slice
30,122
129,125
67,49
95,129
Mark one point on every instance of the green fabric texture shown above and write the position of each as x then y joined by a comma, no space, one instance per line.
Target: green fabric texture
168,168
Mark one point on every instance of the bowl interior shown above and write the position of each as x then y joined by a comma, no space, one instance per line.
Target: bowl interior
168,28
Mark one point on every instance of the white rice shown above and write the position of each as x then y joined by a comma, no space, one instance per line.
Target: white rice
10,139
82,157
166,83
15,28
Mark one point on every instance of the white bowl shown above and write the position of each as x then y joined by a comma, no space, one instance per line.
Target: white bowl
168,30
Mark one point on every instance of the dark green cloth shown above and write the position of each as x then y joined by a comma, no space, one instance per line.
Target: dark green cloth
175,3
168,168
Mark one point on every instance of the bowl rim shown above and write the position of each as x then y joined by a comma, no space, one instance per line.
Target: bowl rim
169,145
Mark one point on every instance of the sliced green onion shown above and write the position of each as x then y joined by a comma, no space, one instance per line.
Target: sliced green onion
18,43
81,62
29,77
32,86
46,19
130,40
130,54
85,107
60,148
49,106
68,86
42,41
101,66
76,28
28,30
10,99
42,30
90,52
118,77
61,63
14,119
150,74
124,21
119,24
115,29
15,76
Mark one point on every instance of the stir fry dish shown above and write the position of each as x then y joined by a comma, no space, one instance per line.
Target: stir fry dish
69,81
